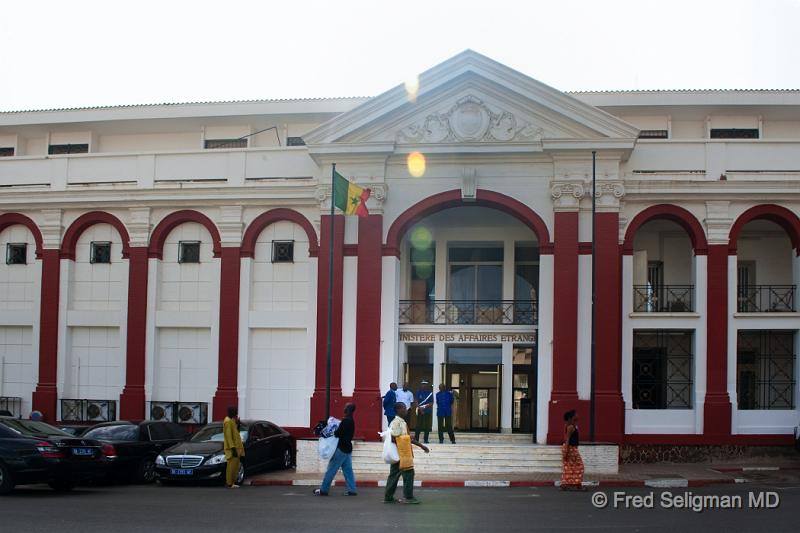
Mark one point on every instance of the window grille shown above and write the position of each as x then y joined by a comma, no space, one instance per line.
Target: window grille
663,369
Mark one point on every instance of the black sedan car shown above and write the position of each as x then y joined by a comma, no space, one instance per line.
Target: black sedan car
132,447
202,457
35,452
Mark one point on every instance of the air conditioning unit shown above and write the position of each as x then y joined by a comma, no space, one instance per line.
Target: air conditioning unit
162,411
101,410
192,413
72,410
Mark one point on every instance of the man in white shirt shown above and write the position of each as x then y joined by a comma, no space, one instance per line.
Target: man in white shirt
405,396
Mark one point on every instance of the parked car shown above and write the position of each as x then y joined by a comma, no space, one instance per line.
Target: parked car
133,446
202,457
35,452
75,431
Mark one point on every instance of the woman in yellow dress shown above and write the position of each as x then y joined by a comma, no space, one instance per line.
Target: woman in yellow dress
234,449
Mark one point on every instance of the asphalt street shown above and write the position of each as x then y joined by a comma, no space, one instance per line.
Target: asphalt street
122,509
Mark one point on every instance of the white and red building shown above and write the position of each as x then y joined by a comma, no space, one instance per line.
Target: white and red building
168,256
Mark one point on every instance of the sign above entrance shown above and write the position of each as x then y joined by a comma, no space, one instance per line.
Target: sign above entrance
469,338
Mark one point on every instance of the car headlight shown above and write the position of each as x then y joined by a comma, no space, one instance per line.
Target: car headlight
217,459
160,460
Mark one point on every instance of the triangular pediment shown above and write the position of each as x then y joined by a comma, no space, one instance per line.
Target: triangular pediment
471,99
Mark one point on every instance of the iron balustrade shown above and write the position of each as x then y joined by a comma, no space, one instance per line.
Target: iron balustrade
663,298
468,312
766,299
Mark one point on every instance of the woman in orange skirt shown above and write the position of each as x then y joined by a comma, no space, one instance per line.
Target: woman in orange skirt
572,464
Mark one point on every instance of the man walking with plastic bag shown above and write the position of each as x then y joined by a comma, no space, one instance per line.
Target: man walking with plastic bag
404,468
343,456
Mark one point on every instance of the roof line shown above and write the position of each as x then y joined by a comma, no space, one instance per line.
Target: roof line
174,104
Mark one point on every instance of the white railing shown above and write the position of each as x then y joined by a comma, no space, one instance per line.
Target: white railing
146,170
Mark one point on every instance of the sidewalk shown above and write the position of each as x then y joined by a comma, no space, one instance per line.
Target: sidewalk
634,475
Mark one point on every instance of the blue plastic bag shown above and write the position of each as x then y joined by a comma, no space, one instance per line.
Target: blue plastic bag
327,447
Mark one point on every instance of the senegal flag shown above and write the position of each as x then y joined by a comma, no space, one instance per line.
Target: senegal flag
349,197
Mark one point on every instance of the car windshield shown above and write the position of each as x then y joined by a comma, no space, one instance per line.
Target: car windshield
31,427
121,432
214,434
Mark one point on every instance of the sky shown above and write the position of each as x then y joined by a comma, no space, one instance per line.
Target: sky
112,52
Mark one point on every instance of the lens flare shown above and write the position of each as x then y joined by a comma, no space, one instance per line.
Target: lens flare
421,239
412,88
416,164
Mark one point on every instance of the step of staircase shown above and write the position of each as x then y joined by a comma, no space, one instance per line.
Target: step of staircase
502,454
477,457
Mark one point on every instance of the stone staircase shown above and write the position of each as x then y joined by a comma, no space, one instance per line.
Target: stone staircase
473,453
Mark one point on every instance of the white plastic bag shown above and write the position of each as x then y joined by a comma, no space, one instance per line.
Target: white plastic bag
390,454
327,447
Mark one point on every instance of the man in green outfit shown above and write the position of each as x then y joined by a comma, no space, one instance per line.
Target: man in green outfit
404,468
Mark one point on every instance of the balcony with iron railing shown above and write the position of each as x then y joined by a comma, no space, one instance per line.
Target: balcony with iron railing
765,299
469,312
663,298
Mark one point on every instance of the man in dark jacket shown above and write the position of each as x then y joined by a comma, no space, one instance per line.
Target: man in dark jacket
343,457
388,402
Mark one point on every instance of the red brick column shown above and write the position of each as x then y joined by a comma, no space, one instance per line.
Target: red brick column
609,407
227,377
46,394
717,408
132,399
367,394
565,326
318,399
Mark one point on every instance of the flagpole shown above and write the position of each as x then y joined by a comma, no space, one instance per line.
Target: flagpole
594,283
330,300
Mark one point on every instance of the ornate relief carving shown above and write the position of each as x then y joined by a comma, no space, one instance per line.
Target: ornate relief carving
139,225
470,120
51,227
567,194
469,184
609,194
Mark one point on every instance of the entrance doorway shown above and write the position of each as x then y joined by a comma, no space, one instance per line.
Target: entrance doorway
477,391
475,374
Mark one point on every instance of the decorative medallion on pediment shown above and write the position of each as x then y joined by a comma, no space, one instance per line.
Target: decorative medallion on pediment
470,120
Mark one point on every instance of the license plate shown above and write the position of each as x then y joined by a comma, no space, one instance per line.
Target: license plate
83,452
181,471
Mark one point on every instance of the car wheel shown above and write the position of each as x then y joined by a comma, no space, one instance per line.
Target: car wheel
6,483
287,458
146,473
62,485
240,475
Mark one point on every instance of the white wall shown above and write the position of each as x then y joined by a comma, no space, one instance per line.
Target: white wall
98,286
280,286
276,379
188,286
184,361
18,283
18,364
186,366
96,364
277,352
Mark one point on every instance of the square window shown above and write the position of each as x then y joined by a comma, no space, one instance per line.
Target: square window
100,252
189,252
16,254
282,251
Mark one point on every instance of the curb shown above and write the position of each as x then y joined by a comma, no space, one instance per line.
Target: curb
754,468
483,483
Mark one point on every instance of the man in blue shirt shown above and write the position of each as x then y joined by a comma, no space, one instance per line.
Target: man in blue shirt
444,413
389,399
424,411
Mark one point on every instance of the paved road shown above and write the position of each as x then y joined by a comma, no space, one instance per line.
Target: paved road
123,509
